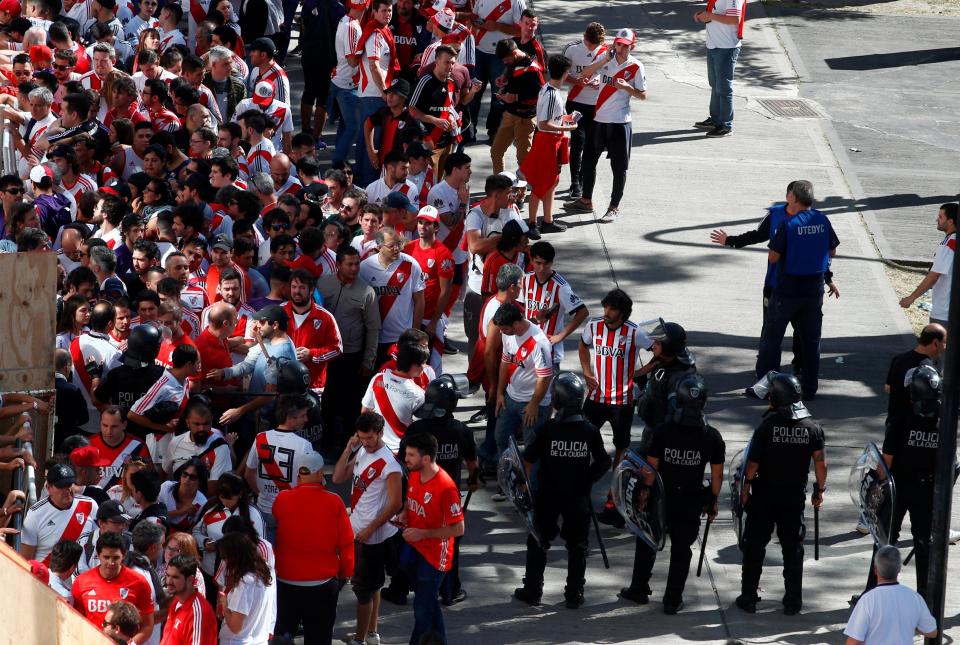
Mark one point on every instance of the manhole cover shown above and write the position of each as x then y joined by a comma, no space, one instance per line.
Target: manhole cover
790,108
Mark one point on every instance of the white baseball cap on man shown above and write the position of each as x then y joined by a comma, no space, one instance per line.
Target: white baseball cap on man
625,37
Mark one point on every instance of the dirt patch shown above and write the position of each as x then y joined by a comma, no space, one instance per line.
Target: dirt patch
891,8
904,281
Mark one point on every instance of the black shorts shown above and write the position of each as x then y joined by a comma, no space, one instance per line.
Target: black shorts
316,82
371,562
620,418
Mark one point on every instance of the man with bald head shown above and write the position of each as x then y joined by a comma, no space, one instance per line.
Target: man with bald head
283,183
213,344
931,345
71,241
197,117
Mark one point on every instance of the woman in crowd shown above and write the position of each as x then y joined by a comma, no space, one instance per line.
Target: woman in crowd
182,495
248,601
73,320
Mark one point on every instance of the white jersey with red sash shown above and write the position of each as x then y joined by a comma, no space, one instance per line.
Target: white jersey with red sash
259,156
506,12
528,357
279,114
581,58
424,182
291,186
196,16
395,286
614,356
119,454
170,38
394,398
369,493
276,456
556,297
31,133
721,35
167,388
80,186
95,348
613,105
446,199
45,524
194,298
214,453
274,74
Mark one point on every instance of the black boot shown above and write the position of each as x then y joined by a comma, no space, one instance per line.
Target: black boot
574,597
529,593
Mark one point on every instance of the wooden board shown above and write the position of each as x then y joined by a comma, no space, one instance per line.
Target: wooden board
28,309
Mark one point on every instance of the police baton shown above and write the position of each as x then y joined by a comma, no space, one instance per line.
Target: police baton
466,502
703,545
816,533
596,527
906,560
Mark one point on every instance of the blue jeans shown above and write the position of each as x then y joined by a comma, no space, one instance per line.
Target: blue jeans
348,104
511,417
488,69
807,317
364,172
720,66
269,528
427,614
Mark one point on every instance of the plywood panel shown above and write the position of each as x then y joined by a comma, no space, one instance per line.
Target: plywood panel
28,289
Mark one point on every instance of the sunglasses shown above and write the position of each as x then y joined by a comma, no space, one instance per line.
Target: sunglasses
279,227
62,68
14,191
190,476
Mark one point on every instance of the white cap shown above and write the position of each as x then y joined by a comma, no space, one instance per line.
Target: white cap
444,18
311,464
40,171
429,213
625,37
512,176
263,93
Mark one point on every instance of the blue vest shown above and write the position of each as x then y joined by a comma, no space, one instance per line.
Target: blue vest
808,243
777,214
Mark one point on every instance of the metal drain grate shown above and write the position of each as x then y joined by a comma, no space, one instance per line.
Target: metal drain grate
790,108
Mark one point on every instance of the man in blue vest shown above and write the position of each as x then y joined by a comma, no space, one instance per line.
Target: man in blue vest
801,249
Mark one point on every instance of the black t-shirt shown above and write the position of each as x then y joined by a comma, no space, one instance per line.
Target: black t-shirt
571,456
912,441
899,401
661,383
396,130
124,385
455,443
684,453
525,80
96,493
431,96
783,447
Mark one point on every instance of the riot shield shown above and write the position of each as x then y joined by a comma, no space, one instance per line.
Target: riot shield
738,473
641,505
873,492
512,477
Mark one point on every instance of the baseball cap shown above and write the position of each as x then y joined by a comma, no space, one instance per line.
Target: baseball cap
512,231
112,510
61,476
313,193
263,93
40,53
222,242
88,457
416,150
625,37
531,233
399,86
10,6
399,200
444,18
311,464
264,45
429,213
271,314
38,172
512,176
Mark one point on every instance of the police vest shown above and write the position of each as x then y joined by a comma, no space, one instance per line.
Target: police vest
808,243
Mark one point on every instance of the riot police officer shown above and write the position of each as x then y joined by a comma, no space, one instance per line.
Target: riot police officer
293,377
910,452
671,362
137,373
774,487
572,458
801,248
455,445
680,450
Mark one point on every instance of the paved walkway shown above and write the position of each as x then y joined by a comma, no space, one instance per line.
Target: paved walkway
682,185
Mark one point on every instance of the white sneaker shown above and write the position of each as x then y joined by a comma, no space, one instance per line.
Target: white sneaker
612,215
862,528
954,537
498,496
350,640
373,638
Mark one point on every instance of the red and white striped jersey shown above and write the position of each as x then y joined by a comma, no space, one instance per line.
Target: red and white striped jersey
276,456
81,185
528,357
280,114
614,355
274,74
258,159
555,292
395,286
129,447
45,524
96,348
394,398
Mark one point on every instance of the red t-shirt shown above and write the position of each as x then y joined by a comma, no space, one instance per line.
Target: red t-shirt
303,553
430,506
214,354
93,595
190,623
165,357
436,263
491,266
304,262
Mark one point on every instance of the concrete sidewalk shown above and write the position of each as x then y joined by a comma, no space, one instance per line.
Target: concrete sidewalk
681,185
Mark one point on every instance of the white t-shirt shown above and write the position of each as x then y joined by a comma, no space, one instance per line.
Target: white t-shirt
478,221
493,10
276,454
348,35
613,105
943,264
259,604
446,199
394,398
889,614
377,192
278,111
369,496
45,524
550,105
581,58
182,449
376,51
395,286
720,35
529,357
166,496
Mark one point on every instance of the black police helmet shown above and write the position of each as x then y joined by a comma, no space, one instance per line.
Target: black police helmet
567,392
142,346
293,377
672,338
785,395
925,387
440,398
690,396
162,412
